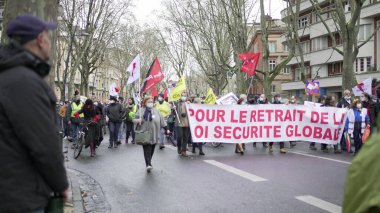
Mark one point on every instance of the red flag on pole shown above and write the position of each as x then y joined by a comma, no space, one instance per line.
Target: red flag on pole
154,92
153,77
166,94
250,61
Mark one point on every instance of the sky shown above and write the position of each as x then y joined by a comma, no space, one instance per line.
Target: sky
146,11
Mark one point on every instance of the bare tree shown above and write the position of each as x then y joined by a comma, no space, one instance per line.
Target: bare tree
45,9
347,27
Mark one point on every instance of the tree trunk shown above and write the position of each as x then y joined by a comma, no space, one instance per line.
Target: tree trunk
71,86
45,9
348,76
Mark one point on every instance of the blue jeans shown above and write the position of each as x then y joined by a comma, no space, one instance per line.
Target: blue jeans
74,133
114,131
162,136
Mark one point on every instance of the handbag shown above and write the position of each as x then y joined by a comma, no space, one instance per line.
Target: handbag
366,134
55,204
143,137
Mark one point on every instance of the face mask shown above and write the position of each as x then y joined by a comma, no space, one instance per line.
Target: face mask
112,101
347,97
359,106
160,99
96,103
279,99
183,98
362,98
261,99
149,105
292,101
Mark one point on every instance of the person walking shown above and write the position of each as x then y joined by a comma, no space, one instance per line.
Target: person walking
164,108
115,113
277,100
149,119
239,148
64,121
182,125
74,107
357,121
122,128
329,102
130,112
262,100
32,166
197,144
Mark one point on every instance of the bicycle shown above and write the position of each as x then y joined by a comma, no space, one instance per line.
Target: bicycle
80,142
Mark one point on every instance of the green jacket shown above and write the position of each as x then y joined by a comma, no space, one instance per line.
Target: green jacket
362,190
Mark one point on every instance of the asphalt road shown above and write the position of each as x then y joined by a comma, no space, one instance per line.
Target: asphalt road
221,181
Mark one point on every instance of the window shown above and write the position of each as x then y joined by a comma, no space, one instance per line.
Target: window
272,46
273,88
347,7
335,68
319,43
324,16
285,48
363,65
286,70
365,31
272,65
303,21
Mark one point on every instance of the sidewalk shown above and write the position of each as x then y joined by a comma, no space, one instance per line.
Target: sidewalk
75,204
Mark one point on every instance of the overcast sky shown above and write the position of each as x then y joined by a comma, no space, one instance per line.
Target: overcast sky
146,11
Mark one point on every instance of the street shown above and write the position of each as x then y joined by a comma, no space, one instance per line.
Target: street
221,181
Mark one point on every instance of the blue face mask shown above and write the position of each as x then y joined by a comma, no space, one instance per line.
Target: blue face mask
149,105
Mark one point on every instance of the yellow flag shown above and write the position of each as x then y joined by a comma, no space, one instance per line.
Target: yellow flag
177,91
210,98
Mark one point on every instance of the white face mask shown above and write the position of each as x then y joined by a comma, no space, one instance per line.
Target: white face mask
183,98
96,103
362,98
112,101
160,99
359,106
149,105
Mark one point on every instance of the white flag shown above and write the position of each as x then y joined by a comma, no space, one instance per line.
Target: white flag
134,70
365,86
114,90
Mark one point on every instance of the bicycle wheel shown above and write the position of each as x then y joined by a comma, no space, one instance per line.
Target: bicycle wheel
215,144
78,147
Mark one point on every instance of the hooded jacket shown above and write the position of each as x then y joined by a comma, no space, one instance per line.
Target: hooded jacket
30,147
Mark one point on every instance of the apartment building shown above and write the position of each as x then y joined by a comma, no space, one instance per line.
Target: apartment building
323,63
278,52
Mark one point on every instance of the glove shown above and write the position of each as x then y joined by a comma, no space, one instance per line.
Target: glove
76,115
96,118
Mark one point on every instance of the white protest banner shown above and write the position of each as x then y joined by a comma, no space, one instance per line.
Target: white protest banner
311,104
265,123
229,99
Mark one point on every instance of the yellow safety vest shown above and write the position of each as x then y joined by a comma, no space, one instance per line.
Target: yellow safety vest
164,109
75,108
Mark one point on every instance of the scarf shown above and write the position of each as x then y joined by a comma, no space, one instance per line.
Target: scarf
148,114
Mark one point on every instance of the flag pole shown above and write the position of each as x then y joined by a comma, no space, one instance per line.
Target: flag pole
175,110
249,86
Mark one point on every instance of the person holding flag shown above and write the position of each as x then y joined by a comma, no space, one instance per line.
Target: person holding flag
164,108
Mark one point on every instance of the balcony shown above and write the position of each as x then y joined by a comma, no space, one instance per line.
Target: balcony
371,10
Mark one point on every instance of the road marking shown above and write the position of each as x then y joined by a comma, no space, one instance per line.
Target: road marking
235,171
329,207
324,158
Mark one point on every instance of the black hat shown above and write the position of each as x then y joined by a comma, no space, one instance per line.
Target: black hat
27,27
113,98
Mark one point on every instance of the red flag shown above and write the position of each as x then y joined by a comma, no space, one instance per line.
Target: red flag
250,61
153,77
166,94
154,92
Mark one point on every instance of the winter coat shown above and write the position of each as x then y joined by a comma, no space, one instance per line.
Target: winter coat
361,193
154,126
30,146
115,112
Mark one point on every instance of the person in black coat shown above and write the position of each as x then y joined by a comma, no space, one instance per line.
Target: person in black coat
30,146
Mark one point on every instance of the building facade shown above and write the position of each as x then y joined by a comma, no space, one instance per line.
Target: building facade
277,53
324,64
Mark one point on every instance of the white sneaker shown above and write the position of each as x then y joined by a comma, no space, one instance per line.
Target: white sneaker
64,138
149,168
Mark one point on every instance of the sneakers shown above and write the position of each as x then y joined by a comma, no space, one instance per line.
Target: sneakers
201,153
313,148
283,150
64,138
270,149
149,169
162,147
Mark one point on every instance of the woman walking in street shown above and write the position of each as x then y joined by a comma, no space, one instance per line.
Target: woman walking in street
130,112
149,119
357,121
92,116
